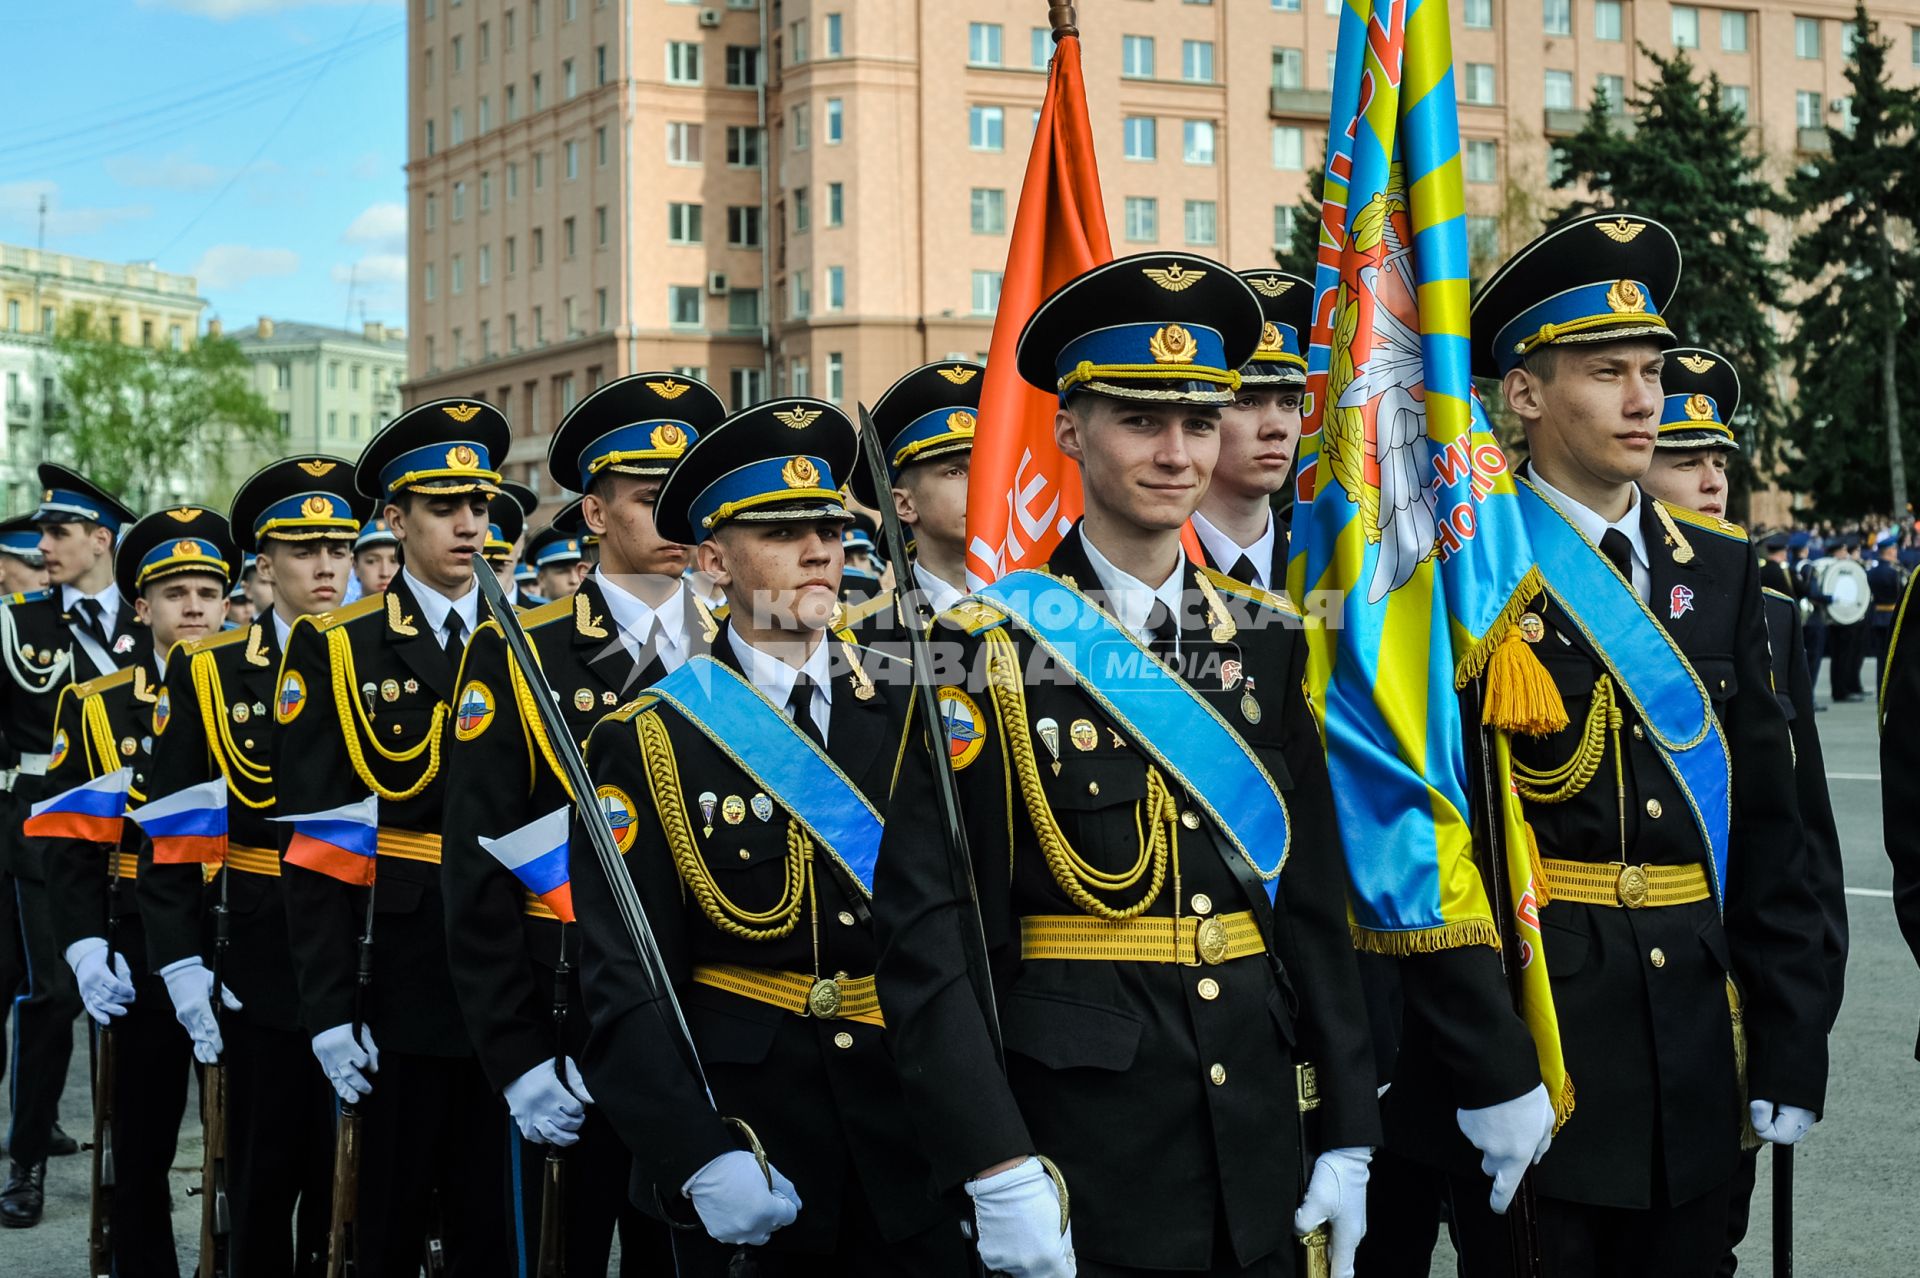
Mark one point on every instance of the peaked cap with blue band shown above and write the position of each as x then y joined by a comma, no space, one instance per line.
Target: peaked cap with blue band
931,412
375,532
552,547
20,537
309,498
68,497
777,462
1606,277
173,542
638,425
1281,357
1152,327
442,447
1702,393
507,518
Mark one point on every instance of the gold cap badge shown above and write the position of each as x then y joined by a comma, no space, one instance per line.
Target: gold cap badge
462,413
1621,230
1270,285
1270,338
960,422
798,418
317,468
800,473
461,457
959,376
1626,298
667,438
186,514
1175,279
1172,345
1696,363
316,507
1699,408
669,389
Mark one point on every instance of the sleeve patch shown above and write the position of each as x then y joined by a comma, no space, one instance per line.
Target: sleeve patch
473,711
292,698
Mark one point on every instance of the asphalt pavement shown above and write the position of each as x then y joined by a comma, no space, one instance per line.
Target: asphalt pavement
1856,1181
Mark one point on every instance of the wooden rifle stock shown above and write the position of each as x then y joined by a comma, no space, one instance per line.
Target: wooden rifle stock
343,1238
100,1211
552,1259
216,1212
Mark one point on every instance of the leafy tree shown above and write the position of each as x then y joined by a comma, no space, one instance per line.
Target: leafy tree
1856,257
155,424
1687,163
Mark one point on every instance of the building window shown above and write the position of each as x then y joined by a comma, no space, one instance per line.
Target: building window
986,292
833,45
1806,109
512,245
333,423
483,264
539,260
683,63
486,339
1483,160
683,146
1142,137
486,190
1196,141
836,121
836,288
746,386
743,66
1289,148
1849,37
1478,84
600,146
1285,218
836,204
802,295
1483,237
513,104
1142,219
1477,14
1686,27
566,236
743,146
988,210
602,315
836,376
1606,19
983,44
513,181
599,64
683,223
1287,69
456,127
801,134
458,48
1196,61
459,201
1734,98
484,120
1136,56
686,305
539,97
1559,90
987,128
1733,31
743,225
457,275
283,376
1806,37
743,308
1614,89
1557,17
428,282
431,217
797,43
573,160
1202,222
802,211
1039,48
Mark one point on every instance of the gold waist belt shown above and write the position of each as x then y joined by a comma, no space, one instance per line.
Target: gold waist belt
839,998
408,845
250,860
537,909
129,864
1153,938
1617,884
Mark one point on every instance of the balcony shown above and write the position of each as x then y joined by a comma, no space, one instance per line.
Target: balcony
1301,104
1564,124
1813,141
20,412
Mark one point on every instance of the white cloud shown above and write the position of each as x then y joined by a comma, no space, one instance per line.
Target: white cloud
231,265
175,172
228,9
20,208
382,227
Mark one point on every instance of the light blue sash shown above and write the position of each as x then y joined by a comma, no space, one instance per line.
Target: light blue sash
1662,687
782,760
1161,712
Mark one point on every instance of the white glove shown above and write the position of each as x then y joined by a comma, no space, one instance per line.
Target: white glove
1779,1124
190,986
735,1203
105,988
347,1063
1511,1137
1017,1217
1337,1192
549,1112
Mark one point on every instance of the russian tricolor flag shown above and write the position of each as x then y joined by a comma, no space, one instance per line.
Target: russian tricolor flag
92,811
537,855
341,842
189,826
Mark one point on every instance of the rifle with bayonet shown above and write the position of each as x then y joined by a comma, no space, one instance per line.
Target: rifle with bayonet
343,1238
100,1210
216,1213
552,1258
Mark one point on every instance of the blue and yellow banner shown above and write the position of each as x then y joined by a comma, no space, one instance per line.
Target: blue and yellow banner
1407,540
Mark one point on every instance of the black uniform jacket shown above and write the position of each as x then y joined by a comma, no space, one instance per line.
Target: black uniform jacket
1793,689
1164,1092
1900,767
1641,994
225,731
38,658
822,1094
397,690
108,724
503,943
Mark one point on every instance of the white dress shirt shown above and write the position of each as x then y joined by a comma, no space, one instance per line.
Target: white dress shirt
940,594
1594,527
281,628
640,623
774,677
109,601
435,608
1226,551
1130,599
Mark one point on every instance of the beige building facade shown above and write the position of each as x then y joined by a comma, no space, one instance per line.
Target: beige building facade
811,196
331,388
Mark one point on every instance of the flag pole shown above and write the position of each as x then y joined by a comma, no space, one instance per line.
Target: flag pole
1062,18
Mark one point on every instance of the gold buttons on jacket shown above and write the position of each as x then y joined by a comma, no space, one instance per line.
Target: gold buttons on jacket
1657,957
846,917
1093,787
1190,819
1218,1074
1209,989
745,855
1639,733
1654,809
843,1040
1202,903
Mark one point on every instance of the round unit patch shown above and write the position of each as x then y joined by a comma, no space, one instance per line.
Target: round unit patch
473,712
966,728
59,751
162,711
619,811
292,699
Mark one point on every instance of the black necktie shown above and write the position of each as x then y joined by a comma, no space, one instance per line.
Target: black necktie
1243,570
92,620
800,708
1615,546
456,635
1163,636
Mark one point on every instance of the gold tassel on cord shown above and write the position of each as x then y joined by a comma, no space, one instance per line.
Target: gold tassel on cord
1521,696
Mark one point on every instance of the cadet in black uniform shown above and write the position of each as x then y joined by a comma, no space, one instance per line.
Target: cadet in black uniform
1661,894
22,572
506,525
750,837
23,569
1886,580
78,629
630,623
298,518
176,565
1159,873
1238,530
1702,396
559,563
1900,766
364,704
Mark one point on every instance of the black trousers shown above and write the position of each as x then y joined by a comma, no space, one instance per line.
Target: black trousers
1577,1240
153,1068
1403,1218
594,1193
43,1024
1847,645
435,1144
1739,1209
279,1151
13,963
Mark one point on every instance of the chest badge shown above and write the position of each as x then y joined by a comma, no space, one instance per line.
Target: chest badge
1679,603
582,699
708,800
762,806
1229,674
124,644
412,686
1085,735
1049,731
1532,629
1249,705
241,712
127,746
390,690
733,809
609,698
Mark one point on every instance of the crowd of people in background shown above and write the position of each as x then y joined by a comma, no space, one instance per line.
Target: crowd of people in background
1848,580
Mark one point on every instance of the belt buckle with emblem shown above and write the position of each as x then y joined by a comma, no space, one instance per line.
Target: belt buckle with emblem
1210,941
1632,887
823,1000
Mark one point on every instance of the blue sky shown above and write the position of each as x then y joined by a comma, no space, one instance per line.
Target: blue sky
256,144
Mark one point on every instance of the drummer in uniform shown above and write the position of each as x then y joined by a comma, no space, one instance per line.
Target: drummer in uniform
629,623
1159,874
363,711
176,565
744,791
